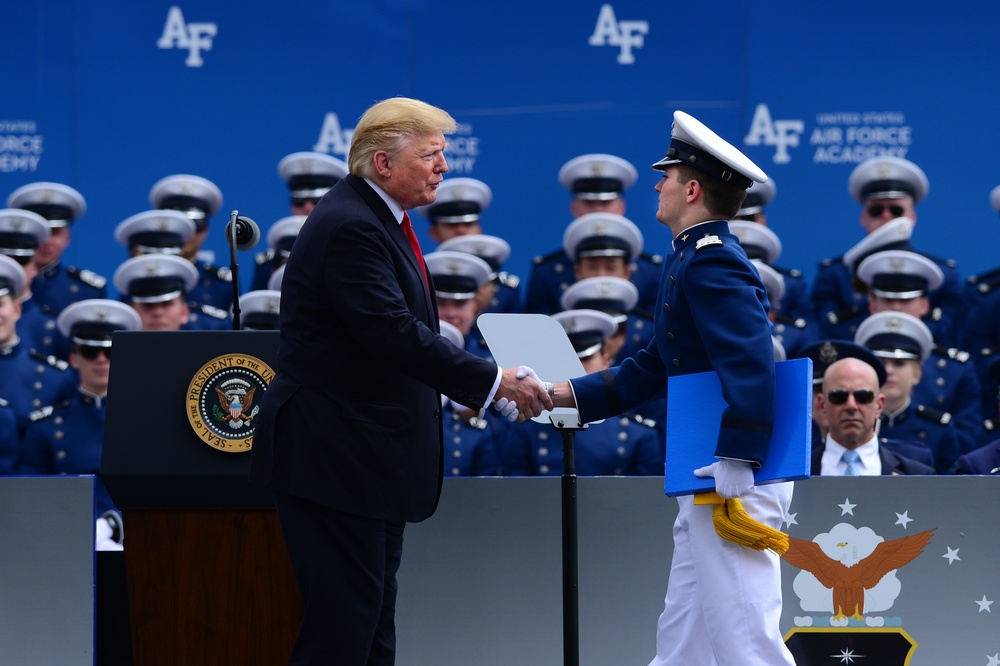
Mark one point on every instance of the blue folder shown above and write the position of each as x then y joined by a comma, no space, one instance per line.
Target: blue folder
694,410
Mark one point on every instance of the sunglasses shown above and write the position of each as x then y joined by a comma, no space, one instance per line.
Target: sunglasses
861,396
90,352
876,210
302,201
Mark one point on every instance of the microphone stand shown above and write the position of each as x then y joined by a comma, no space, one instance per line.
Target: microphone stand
234,268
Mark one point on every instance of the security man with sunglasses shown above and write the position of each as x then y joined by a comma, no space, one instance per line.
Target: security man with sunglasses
66,437
888,189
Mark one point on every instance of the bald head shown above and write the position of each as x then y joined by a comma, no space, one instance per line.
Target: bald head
852,382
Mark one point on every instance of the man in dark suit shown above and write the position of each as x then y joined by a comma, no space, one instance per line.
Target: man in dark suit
851,403
349,436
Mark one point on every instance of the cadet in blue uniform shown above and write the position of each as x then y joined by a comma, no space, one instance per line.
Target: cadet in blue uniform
617,297
67,437
308,176
792,338
888,189
900,281
22,233
598,183
199,199
155,284
28,380
259,310
625,445
457,278
723,601
57,285
10,440
456,215
903,343
166,232
470,438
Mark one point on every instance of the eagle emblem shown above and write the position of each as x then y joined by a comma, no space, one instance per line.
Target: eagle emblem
235,400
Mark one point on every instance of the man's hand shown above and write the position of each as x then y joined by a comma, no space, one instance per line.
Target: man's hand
733,478
521,386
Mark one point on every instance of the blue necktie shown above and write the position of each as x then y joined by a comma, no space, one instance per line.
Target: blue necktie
851,458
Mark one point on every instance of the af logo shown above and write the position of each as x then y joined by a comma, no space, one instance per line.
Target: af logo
223,401
332,137
195,37
624,34
778,133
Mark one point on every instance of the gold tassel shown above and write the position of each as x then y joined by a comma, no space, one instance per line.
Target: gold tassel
733,523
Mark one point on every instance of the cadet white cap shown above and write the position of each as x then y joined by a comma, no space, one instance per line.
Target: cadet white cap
274,282
459,200
494,251
587,330
613,295
893,235
694,144
452,333
92,321
895,335
12,277
457,275
899,274
757,241
283,233
774,282
259,310
59,204
602,235
887,177
197,197
597,176
155,278
758,196
21,232
155,231
309,174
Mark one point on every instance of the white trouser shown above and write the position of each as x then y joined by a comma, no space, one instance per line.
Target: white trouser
723,601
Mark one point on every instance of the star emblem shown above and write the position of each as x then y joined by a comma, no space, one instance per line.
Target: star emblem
903,519
951,555
984,604
847,508
847,656
684,238
790,520
994,660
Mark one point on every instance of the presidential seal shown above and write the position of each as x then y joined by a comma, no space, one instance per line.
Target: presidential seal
223,400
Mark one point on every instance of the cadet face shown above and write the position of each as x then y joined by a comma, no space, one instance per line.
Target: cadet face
851,423
672,196
303,206
93,372
587,267
485,296
10,312
902,375
442,231
411,174
578,206
458,313
52,249
917,307
166,316
877,212
597,361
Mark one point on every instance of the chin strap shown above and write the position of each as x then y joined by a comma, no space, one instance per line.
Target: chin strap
733,523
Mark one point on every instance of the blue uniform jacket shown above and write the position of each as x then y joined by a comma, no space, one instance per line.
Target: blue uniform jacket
984,460
30,381
57,286
552,273
712,315
949,384
926,426
469,447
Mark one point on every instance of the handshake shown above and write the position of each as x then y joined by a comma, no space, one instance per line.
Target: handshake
522,395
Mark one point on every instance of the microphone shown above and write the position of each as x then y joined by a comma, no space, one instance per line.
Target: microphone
247,232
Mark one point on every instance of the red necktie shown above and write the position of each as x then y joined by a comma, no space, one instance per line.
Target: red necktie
412,237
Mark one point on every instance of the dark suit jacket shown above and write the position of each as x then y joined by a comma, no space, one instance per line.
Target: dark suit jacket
983,460
352,418
892,463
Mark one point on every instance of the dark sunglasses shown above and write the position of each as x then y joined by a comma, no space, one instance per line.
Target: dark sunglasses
90,352
302,201
861,396
875,210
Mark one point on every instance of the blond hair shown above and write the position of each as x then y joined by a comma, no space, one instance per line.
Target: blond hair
388,124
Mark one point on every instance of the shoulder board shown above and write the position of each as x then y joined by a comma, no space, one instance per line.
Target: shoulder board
49,360
831,261
477,423
551,256
975,279
642,314
209,310
220,272
46,412
708,240
49,310
795,322
952,353
846,313
508,279
652,258
643,421
87,277
934,415
262,258
950,263
791,272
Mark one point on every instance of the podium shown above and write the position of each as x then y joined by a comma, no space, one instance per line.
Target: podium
209,580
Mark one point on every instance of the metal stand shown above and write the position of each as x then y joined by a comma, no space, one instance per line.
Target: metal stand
570,561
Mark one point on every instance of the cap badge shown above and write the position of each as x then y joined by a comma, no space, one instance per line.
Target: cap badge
897,264
47,196
894,323
453,266
102,314
152,269
827,353
601,228
163,223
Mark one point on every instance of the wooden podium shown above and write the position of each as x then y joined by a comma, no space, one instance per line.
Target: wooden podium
209,581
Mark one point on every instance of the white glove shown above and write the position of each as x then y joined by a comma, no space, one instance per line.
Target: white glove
733,478
507,408
524,371
103,536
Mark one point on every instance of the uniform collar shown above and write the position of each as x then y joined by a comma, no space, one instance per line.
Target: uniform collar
10,349
89,398
691,235
896,417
